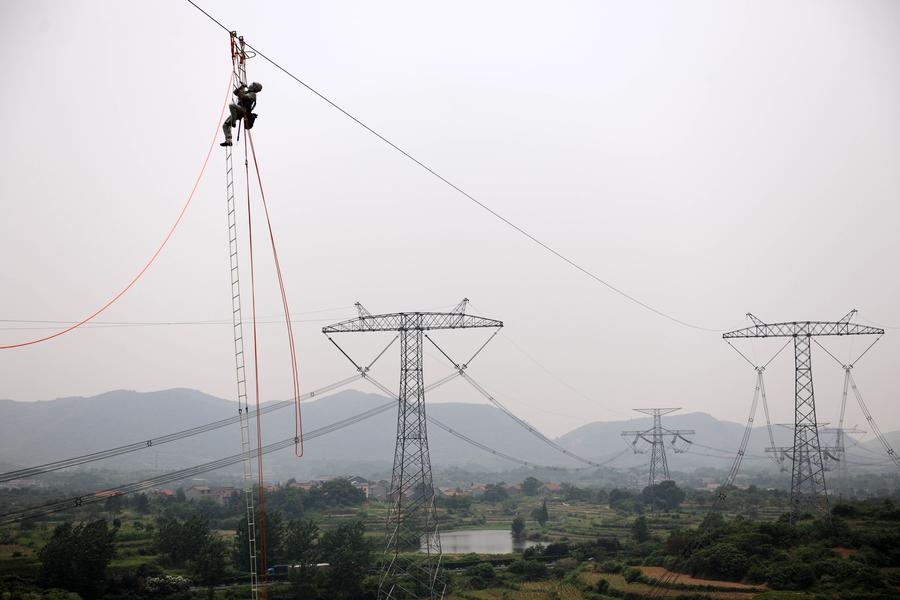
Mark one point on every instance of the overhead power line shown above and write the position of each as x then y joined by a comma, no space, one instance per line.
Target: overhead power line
137,486
489,449
270,319
518,421
508,457
75,461
163,324
571,262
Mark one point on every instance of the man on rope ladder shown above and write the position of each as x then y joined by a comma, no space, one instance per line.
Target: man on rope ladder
242,109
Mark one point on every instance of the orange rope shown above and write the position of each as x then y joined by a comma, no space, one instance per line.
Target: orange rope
298,419
155,254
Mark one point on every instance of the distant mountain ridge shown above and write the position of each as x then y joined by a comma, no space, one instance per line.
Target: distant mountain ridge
36,432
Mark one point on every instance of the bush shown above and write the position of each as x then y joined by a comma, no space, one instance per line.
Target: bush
791,576
631,574
610,566
756,573
483,569
564,565
529,569
719,561
166,585
847,573
556,550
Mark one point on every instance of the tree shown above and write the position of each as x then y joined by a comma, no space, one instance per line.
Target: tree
664,495
518,527
540,514
180,542
301,548
495,492
349,555
300,537
76,558
573,492
240,557
529,569
623,500
142,503
113,503
337,492
639,530
719,561
209,564
481,575
531,486
791,575
274,541
712,520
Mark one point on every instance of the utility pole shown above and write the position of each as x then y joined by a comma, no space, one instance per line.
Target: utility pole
659,466
413,546
808,489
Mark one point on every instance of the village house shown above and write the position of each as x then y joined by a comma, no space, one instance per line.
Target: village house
198,492
304,485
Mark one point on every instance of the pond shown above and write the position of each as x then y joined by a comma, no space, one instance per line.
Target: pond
482,541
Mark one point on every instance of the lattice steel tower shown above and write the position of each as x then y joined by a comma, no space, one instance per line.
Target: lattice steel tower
411,523
808,490
655,436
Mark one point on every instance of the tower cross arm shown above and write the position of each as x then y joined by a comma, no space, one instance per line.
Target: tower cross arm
794,328
404,321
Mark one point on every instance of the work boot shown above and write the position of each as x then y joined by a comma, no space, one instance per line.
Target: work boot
226,142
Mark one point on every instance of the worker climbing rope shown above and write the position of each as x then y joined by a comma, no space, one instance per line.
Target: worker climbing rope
242,109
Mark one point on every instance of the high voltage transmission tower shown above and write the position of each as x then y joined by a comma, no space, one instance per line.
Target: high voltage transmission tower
655,436
808,488
412,520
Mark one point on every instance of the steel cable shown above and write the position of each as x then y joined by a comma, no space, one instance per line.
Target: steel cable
163,439
130,488
462,192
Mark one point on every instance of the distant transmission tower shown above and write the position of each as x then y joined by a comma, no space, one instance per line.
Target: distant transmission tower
412,520
808,490
655,436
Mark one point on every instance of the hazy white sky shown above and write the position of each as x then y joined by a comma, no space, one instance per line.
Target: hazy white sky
711,158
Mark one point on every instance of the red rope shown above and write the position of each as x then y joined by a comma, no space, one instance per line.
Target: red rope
155,254
298,419
259,443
